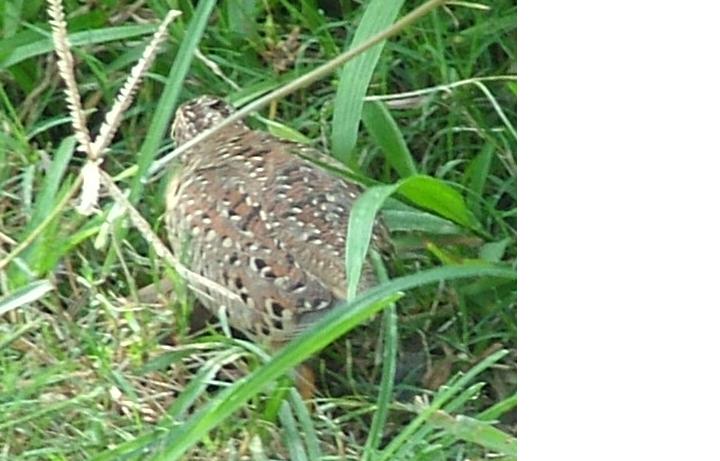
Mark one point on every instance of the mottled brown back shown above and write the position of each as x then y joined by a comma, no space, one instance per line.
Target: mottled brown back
247,211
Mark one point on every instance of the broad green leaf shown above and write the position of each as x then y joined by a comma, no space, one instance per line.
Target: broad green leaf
401,217
355,77
494,251
242,18
434,194
425,191
418,221
360,225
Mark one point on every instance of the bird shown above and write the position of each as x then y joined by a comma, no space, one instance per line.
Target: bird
253,213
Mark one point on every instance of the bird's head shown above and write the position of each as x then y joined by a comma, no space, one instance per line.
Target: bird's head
196,116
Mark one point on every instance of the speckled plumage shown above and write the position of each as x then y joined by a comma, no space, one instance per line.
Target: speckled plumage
245,210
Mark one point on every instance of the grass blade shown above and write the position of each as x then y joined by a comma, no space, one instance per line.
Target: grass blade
337,323
425,191
50,408
498,108
499,409
311,441
355,77
165,107
42,226
412,220
436,195
386,134
423,434
291,434
25,295
439,401
134,446
390,348
200,382
48,194
478,432
360,225
43,44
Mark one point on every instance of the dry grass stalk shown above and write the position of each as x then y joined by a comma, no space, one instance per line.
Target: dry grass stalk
94,150
66,65
128,90
91,173
144,227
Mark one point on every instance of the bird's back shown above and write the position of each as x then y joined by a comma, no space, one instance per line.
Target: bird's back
247,211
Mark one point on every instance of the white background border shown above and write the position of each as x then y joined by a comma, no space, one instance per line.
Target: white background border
619,242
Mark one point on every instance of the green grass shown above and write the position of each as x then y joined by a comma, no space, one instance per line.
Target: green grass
88,372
